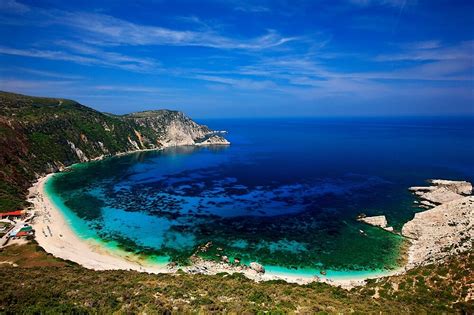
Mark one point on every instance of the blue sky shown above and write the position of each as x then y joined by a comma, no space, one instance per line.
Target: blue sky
216,58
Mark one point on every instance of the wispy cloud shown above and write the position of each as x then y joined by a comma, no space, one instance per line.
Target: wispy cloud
422,45
252,8
12,6
135,89
108,30
310,77
42,73
96,39
114,59
30,86
393,3
46,54
240,83
431,50
87,55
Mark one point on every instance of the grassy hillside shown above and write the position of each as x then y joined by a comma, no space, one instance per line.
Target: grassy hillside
39,135
42,283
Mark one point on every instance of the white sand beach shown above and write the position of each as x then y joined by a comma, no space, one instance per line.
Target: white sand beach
55,235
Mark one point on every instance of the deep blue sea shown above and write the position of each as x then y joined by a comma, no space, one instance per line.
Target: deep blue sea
285,193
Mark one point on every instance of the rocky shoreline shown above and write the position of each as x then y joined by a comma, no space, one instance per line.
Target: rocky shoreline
433,235
378,220
445,229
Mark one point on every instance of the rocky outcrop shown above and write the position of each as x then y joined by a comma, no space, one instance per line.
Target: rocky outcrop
442,191
445,229
442,231
257,267
379,221
80,155
173,128
214,139
458,187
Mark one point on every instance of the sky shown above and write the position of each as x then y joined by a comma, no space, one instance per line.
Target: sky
235,58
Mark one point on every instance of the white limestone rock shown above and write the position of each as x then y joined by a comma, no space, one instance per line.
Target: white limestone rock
175,129
214,140
427,203
80,155
257,267
378,220
440,232
441,195
458,187
442,191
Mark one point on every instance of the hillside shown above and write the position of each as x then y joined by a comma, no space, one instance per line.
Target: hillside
40,135
36,282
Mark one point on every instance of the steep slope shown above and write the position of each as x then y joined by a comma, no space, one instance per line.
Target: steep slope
173,128
39,135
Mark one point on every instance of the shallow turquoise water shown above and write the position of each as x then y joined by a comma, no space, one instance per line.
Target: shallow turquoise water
285,193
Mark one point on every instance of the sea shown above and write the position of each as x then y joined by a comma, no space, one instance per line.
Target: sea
286,193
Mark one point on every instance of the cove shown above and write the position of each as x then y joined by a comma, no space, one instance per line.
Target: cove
285,193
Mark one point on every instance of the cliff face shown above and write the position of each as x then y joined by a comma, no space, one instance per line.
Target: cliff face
173,128
445,229
39,135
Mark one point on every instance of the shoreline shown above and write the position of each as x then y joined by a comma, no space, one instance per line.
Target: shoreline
57,237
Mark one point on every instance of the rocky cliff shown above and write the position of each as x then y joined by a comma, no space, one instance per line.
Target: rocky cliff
40,135
445,229
173,128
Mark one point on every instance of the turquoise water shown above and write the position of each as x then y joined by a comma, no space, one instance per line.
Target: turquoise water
285,193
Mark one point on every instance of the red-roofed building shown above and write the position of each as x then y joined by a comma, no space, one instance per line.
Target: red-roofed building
23,233
17,213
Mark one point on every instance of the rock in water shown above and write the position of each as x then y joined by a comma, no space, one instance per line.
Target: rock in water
257,267
378,220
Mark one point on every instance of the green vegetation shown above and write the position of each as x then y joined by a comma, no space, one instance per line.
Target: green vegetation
440,288
42,283
4,227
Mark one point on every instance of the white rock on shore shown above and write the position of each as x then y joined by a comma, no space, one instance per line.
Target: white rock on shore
213,140
442,191
459,187
444,230
257,267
